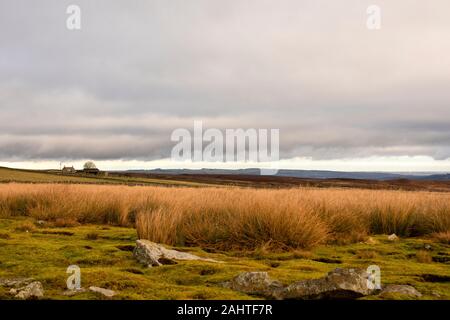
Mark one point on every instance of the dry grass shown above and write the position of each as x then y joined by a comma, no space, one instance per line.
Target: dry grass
26,226
367,254
442,237
238,218
423,256
92,236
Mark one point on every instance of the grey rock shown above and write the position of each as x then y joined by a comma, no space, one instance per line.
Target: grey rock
256,283
337,284
106,292
393,237
15,282
340,283
436,294
33,290
401,289
70,293
153,254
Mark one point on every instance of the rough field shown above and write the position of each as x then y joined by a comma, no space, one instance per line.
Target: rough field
35,176
292,233
214,180
104,256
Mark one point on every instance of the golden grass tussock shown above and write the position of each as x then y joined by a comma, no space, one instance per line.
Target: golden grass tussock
442,237
235,218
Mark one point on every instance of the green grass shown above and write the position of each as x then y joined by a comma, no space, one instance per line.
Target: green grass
45,253
33,176
16,175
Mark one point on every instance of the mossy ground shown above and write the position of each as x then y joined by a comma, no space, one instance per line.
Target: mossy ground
104,256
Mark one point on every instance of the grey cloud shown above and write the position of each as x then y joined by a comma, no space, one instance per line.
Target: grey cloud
136,71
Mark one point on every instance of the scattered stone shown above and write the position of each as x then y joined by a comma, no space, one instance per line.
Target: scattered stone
393,237
337,284
106,292
153,254
256,283
436,294
401,289
70,293
15,282
32,291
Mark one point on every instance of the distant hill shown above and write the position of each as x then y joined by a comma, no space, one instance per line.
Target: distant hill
435,177
240,178
305,174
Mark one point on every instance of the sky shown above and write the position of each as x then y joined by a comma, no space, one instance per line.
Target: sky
343,97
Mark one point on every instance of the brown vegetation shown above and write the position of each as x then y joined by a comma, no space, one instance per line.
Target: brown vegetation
423,256
442,237
263,181
224,218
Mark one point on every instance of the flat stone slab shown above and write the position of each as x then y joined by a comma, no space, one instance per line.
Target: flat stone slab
34,290
256,283
14,282
153,254
106,292
340,283
401,289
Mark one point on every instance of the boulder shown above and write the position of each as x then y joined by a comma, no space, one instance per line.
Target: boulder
106,292
337,284
393,237
153,254
15,282
400,289
256,283
33,290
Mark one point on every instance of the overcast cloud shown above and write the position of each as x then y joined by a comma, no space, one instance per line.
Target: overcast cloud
137,70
